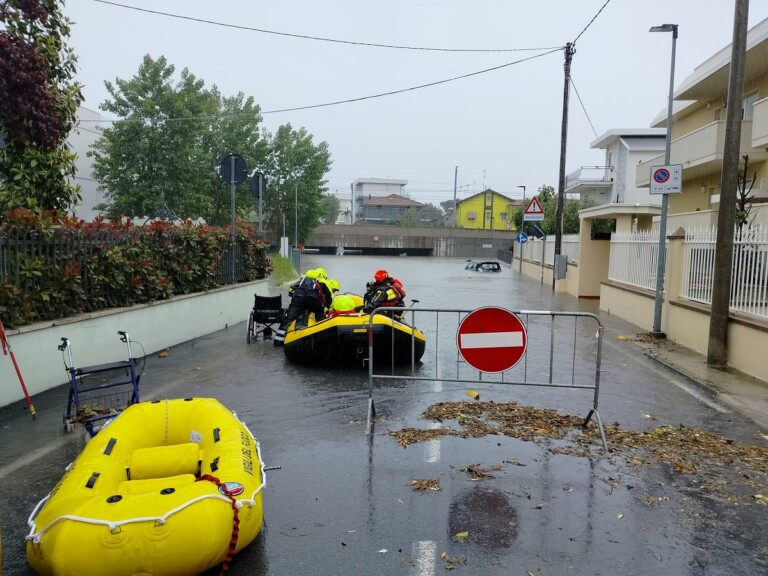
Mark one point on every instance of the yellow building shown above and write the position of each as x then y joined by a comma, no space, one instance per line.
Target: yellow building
486,210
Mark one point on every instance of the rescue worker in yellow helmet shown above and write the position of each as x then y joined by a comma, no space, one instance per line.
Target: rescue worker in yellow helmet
308,296
329,286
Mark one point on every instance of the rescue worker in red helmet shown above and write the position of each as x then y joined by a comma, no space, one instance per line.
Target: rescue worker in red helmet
383,291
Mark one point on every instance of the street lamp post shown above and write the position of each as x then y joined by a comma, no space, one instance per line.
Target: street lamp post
656,332
296,215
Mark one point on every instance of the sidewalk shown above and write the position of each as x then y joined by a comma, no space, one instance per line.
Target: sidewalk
741,392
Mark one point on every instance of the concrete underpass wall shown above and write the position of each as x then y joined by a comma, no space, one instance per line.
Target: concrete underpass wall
94,338
426,241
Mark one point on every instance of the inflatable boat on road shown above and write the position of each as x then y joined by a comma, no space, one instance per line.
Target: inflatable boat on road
342,340
168,487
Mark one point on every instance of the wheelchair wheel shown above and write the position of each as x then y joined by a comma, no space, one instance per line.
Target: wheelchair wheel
250,335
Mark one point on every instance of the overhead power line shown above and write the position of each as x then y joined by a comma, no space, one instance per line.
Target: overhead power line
348,100
316,38
590,22
582,107
419,87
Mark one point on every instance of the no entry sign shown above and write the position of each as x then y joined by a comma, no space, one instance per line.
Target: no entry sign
491,339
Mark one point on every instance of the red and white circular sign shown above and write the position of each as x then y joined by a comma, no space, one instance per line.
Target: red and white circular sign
491,339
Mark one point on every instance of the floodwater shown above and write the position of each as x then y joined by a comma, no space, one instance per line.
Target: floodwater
340,502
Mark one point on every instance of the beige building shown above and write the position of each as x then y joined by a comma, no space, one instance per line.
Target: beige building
622,272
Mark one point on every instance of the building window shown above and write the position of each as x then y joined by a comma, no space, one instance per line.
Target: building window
488,215
503,216
747,109
471,215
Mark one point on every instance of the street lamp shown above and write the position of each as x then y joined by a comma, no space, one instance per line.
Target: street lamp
296,215
664,198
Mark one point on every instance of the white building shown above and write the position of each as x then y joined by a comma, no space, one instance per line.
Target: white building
367,188
614,182
86,132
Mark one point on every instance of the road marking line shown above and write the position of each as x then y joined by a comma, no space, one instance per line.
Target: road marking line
424,558
492,340
432,447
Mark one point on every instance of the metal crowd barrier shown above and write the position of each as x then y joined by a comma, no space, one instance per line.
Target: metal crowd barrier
562,350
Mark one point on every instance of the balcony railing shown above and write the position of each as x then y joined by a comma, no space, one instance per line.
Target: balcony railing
701,152
592,176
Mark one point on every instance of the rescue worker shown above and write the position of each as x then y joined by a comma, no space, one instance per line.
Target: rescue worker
383,291
308,296
342,304
329,286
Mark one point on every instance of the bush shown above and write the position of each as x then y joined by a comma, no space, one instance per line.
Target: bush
52,267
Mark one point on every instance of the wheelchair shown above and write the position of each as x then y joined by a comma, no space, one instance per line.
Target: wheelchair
267,311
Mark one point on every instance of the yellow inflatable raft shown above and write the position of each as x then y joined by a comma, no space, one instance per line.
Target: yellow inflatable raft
169,487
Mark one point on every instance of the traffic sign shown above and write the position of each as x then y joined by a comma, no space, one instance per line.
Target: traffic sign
522,237
667,179
533,211
491,339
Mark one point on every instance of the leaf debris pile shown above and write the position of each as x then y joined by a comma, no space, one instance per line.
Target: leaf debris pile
690,451
425,484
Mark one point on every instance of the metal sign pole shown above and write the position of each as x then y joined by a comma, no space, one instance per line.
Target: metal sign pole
232,201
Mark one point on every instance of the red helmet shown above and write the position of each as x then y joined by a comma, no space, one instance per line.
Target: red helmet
381,275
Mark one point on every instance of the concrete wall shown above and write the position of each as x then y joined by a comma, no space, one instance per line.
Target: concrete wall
94,338
442,242
688,324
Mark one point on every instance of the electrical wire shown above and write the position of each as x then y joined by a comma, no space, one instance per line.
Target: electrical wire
316,38
582,106
419,87
337,102
590,22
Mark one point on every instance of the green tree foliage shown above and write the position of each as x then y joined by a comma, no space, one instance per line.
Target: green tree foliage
296,169
744,195
38,106
571,207
331,209
431,215
165,151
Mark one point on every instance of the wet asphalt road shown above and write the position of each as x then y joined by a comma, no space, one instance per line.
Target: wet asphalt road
341,502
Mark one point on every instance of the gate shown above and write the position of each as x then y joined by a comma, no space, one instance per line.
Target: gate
561,349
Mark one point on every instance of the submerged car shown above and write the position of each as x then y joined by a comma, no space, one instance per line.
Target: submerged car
483,266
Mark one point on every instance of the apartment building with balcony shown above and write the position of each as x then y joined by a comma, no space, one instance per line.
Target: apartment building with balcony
614,181
698,134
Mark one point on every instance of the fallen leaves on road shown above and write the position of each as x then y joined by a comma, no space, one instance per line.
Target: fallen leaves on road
476,472
425,484
715,465
452,561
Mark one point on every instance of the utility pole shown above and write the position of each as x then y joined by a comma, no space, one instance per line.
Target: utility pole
570,50
455,177
717,350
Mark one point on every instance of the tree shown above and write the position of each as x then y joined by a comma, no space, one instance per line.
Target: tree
331,209
744,195
163,157
38,106
431,215
571,222
296,169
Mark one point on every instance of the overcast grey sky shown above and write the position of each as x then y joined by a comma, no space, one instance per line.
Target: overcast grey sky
501,128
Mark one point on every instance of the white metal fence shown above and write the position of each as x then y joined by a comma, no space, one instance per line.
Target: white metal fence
634,258
749,272
569,245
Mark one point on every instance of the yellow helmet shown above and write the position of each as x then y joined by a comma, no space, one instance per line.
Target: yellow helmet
321,273
343,303
311,274
333,284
